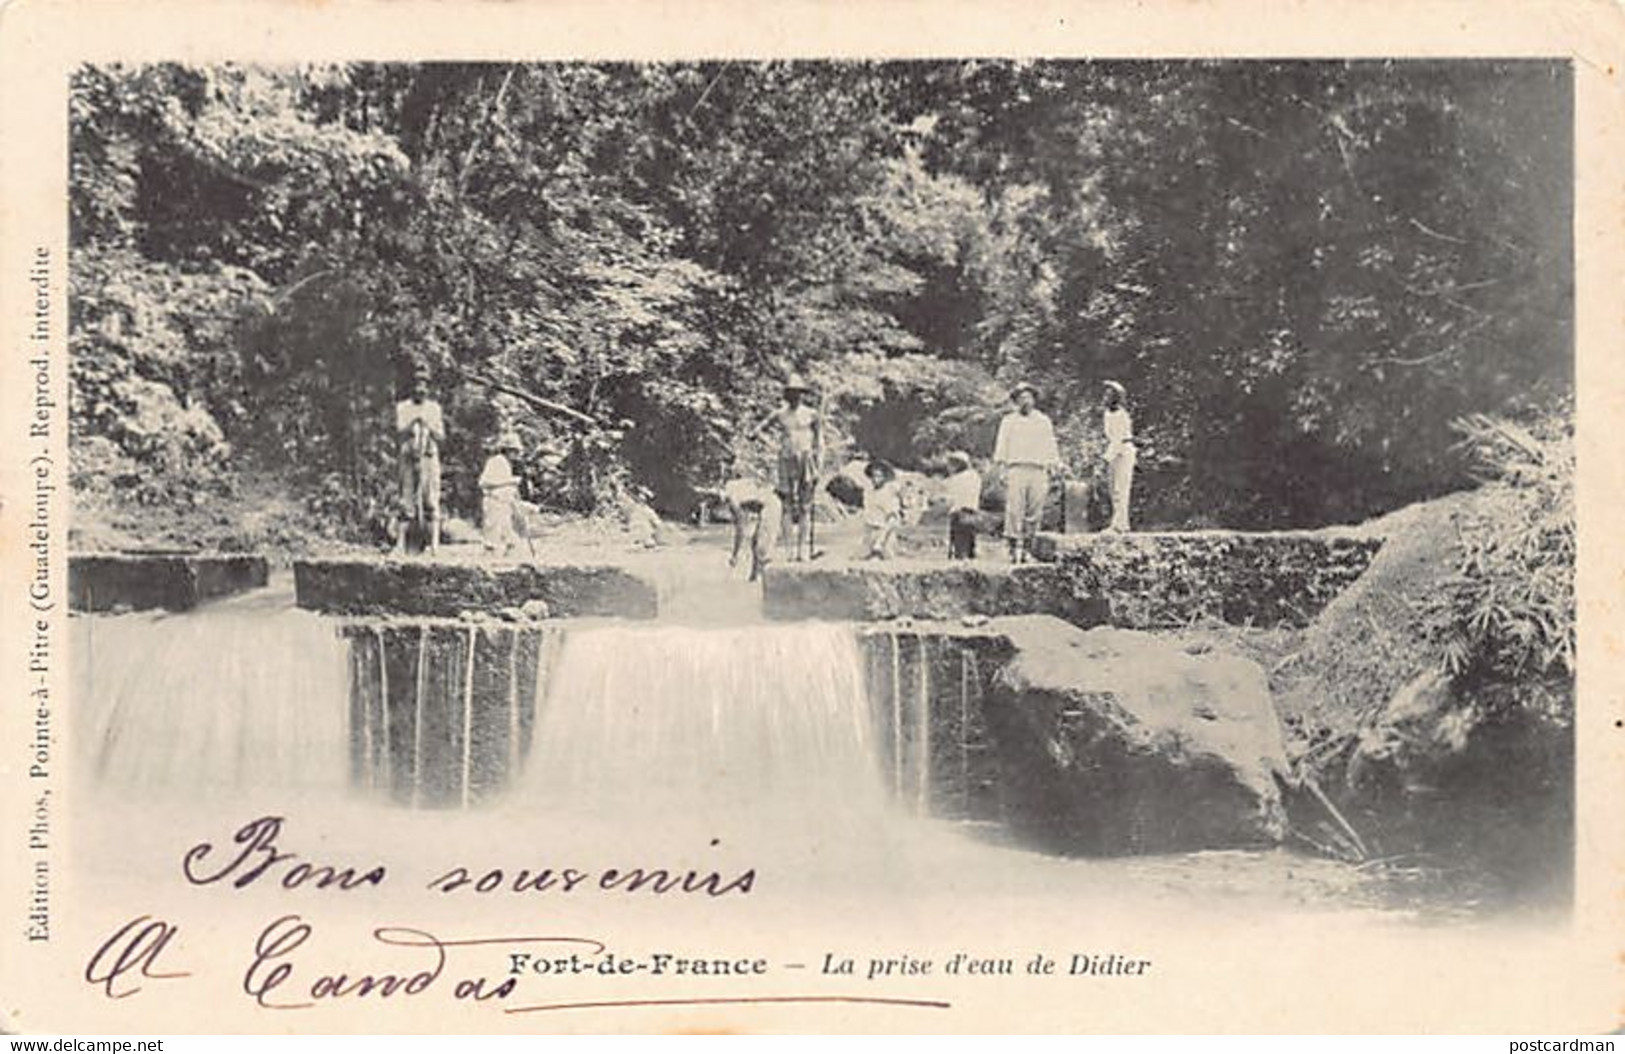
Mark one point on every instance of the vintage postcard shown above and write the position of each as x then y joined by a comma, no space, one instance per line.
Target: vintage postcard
553,517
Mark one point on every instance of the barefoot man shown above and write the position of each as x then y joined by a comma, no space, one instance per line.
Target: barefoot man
801,449
1119,453
421,429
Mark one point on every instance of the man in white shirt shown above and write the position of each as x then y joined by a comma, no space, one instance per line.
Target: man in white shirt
1027,450
1120,453
421,428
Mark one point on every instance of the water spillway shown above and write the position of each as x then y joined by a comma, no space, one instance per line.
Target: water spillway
927,691
441,713
718,720
451,714
1094,741
616,716
232,701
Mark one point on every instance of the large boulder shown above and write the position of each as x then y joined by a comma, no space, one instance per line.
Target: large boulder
1478,776
1114,741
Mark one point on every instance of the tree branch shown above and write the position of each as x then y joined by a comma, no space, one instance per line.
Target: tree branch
284,294
485,119
1430,232
534,400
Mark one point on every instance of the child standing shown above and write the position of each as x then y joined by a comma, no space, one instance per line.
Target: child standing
882,511
963,491
499,496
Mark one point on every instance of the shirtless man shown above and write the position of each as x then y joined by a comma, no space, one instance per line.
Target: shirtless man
801,449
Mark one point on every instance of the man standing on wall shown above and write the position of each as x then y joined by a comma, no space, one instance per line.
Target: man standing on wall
1027,450
1119,453
801,449
421,429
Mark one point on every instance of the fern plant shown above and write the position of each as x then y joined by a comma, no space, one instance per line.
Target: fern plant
1508,613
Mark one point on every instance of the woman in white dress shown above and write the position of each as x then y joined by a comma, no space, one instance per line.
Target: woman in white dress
1119,453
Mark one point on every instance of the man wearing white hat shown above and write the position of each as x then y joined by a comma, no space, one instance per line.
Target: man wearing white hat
1120,454
1027,449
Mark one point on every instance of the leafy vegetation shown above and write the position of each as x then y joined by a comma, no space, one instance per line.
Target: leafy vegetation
1508,614
1303,272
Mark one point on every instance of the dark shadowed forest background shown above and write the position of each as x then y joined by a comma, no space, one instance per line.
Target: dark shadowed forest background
1306,273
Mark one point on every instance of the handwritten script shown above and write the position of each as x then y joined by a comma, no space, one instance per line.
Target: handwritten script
286,968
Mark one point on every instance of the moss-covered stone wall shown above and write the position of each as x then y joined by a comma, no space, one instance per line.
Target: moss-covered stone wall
1162,580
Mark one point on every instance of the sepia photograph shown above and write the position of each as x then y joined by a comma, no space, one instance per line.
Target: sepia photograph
571,544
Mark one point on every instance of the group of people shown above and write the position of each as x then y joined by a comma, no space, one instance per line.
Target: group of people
420,428
1026,451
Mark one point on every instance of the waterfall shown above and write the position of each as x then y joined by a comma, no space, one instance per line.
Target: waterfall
896,723
219,701
758,721
442,711
922,729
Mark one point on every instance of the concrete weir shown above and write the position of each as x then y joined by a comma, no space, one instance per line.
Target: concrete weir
445,589
869,592
177,581
1087,742
1133,581
1162,579
442,712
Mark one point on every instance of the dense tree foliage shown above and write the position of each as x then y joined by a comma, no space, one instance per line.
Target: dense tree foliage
1303,272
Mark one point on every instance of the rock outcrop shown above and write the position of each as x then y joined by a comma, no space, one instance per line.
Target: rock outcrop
1112,741
1095,742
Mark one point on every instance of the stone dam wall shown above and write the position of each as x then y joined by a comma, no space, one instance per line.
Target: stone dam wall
447,589
107,582
1084,742
1132,581
1161,580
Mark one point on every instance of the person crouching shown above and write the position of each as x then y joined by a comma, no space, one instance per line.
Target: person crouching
882,512
755,510
963,491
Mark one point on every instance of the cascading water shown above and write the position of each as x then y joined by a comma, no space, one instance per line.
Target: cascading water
767,722
796,751
220,701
